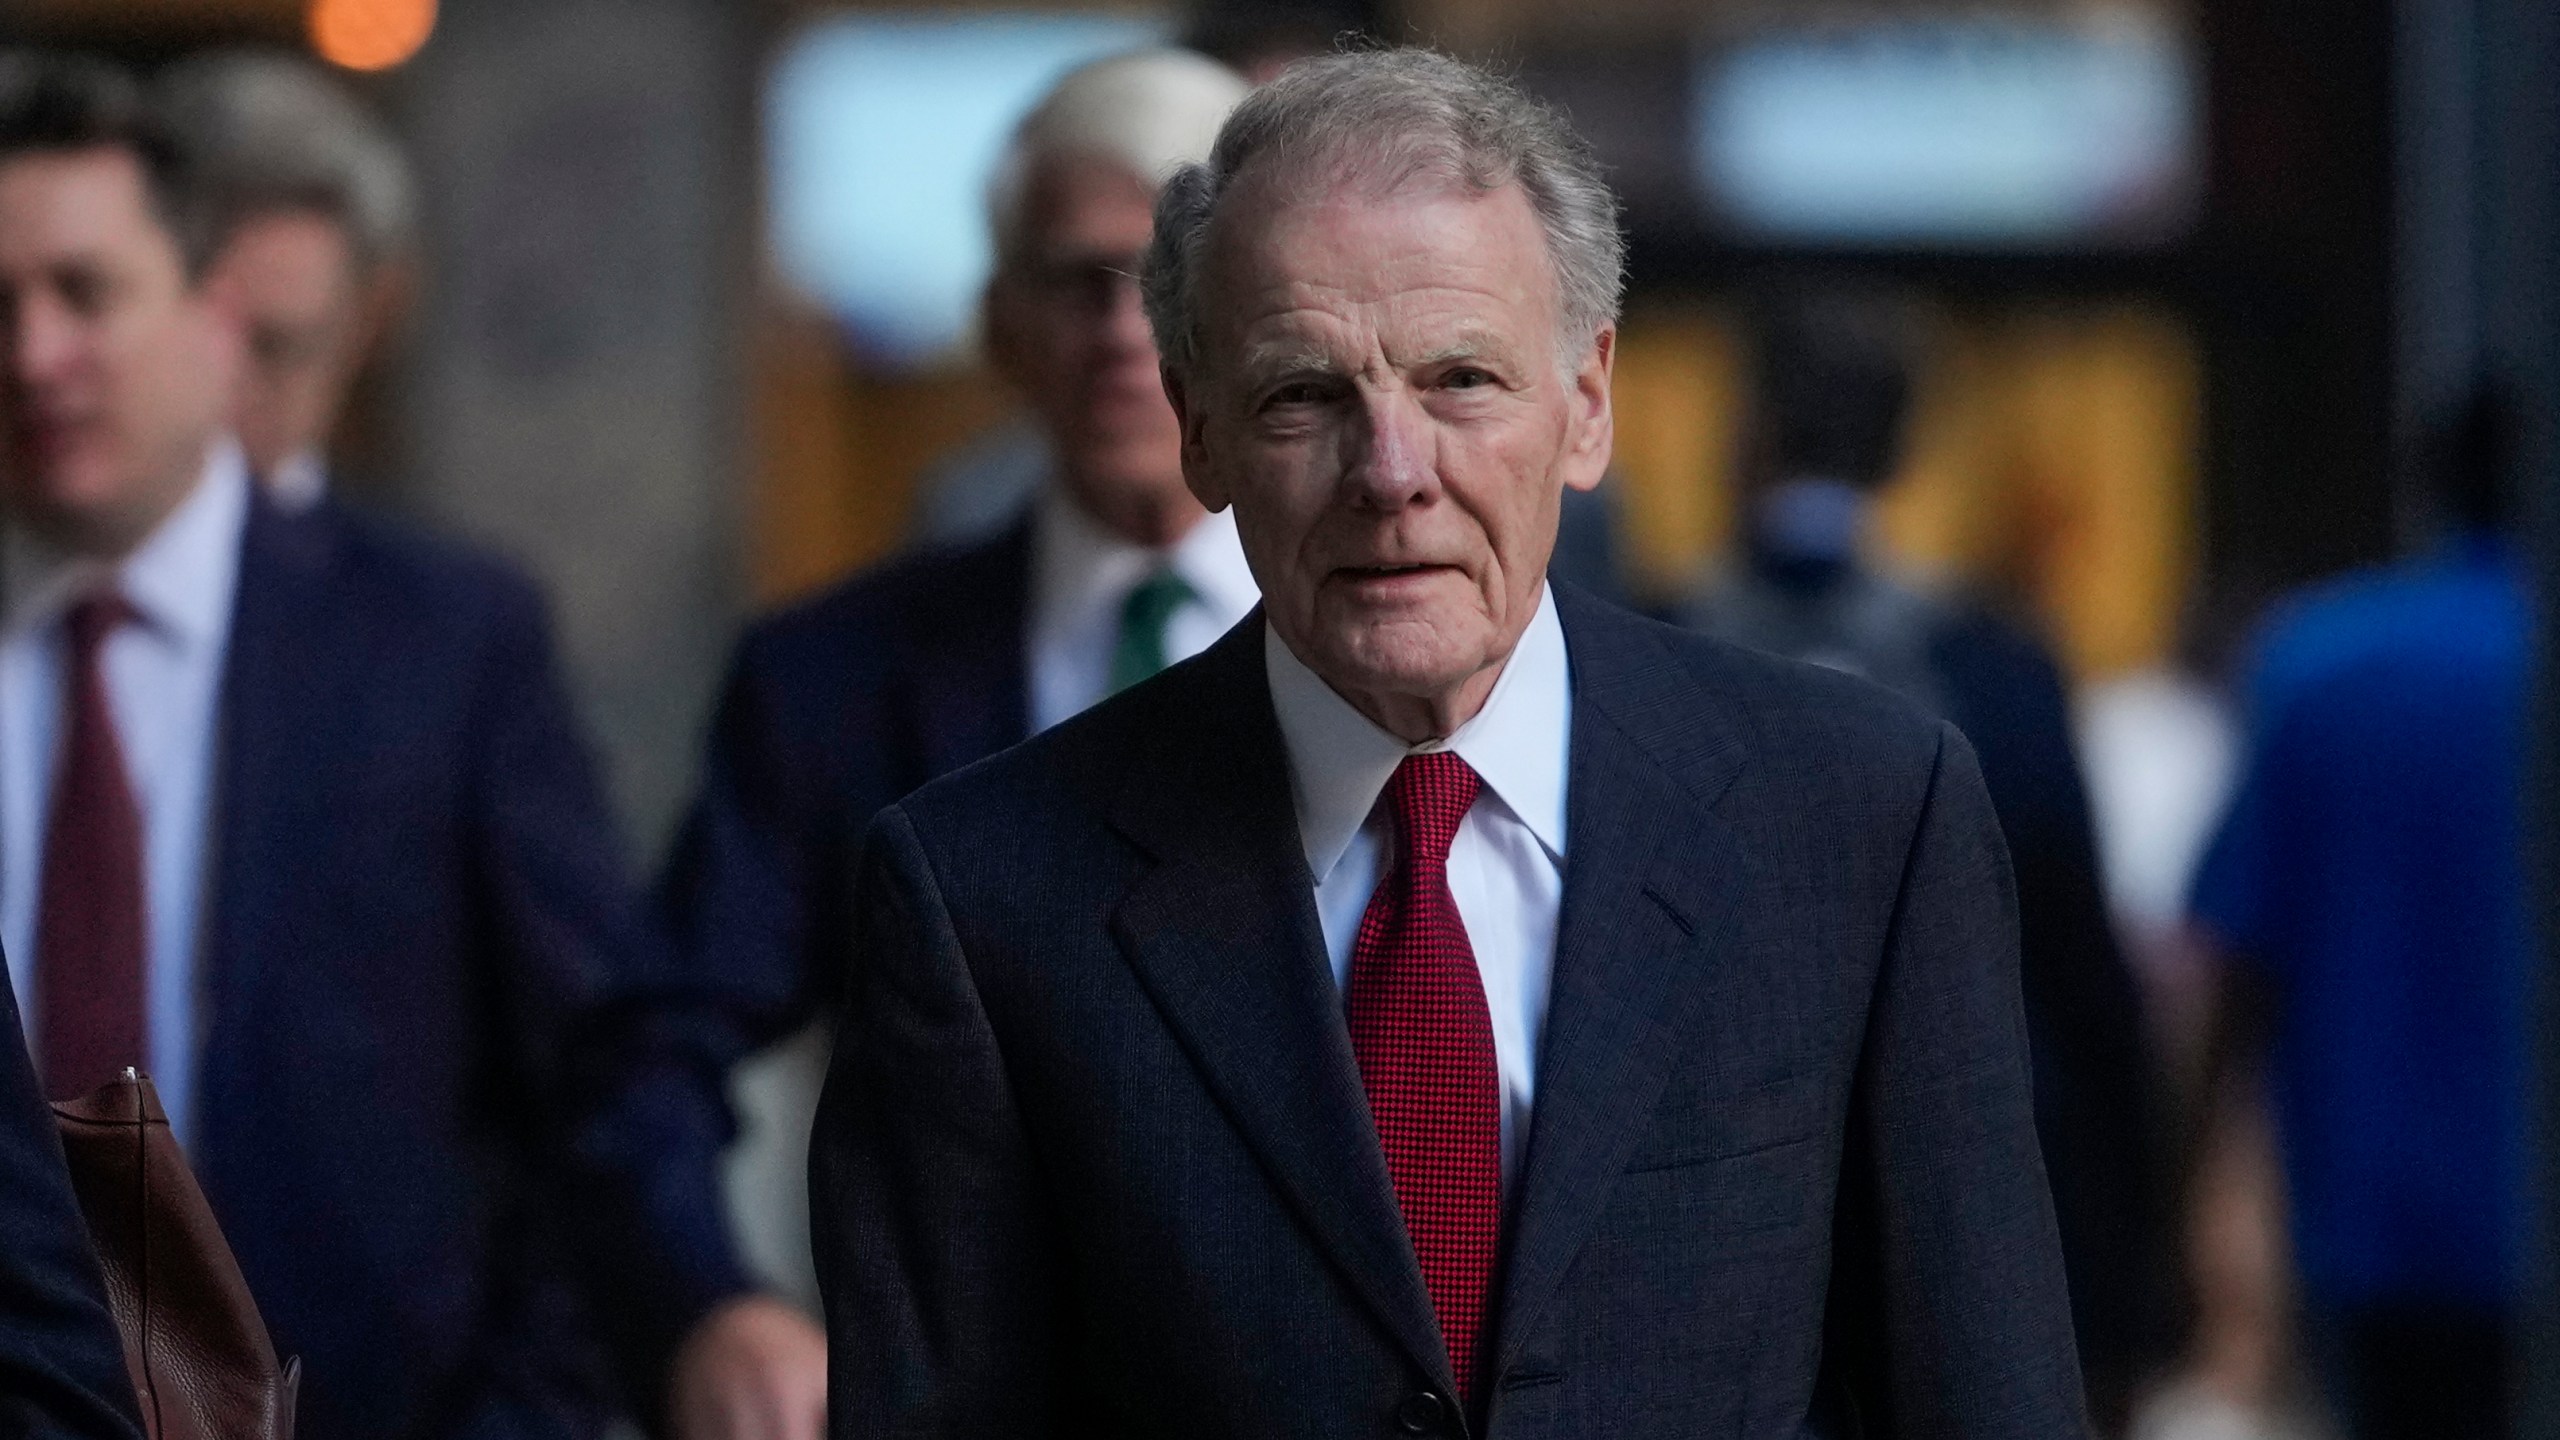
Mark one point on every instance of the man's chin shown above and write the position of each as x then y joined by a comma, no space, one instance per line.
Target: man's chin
1420,656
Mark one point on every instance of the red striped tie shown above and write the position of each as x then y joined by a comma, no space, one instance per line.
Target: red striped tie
1424,1040
89,1006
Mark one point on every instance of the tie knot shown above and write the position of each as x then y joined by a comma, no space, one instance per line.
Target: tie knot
94,617
1429,795
1154,601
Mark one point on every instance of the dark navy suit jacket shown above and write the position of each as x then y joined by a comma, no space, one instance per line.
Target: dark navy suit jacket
416,895
832,709
62,1371
1094,1157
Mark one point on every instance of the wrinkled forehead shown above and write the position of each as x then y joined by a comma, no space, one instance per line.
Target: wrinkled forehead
1352,232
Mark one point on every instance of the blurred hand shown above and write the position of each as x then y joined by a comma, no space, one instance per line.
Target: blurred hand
754,1369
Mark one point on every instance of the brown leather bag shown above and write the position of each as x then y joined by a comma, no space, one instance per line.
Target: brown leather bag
200,1356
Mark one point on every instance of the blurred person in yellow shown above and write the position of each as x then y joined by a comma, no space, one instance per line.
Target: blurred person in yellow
844,703
312,205
318,208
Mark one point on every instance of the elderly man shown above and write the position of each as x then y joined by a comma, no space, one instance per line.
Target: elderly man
1449,1005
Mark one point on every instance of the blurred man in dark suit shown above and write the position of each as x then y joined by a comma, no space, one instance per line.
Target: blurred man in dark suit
1450,1004
310,198
845,702
292,813
1831,383
62,1370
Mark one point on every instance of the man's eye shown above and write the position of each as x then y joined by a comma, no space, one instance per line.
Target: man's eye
1465,377
85,292
1296,392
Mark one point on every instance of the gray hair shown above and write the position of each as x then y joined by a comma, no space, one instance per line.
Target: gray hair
268,132
1150,112
1393,115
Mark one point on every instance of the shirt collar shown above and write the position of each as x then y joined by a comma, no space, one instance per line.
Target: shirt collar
1079,568
1520,743
180,579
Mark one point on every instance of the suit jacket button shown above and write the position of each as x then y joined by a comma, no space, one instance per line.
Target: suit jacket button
1420,1413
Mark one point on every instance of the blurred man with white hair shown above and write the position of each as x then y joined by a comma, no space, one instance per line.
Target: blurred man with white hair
840,705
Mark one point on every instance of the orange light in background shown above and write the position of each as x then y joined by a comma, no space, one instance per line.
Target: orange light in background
370,34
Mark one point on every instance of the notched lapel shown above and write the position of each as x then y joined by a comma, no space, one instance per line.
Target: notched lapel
1651,873
1222,932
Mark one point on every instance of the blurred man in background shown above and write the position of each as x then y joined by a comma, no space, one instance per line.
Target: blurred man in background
310,201
1830,387
318,210
844,703
2367,894
294,812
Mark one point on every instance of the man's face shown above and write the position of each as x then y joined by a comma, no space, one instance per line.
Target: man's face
115,368
1381,398
1064,326
293,281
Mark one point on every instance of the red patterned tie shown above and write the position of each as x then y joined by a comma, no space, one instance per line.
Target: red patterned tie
89,1009
1424,1040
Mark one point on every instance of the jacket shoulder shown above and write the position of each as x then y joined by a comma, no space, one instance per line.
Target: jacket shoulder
393,568
887,607
1780,711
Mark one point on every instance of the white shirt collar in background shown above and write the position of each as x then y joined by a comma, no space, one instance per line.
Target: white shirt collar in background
1081,576
180,578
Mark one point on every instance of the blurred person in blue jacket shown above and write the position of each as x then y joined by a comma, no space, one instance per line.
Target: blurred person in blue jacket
1830,387
2366,894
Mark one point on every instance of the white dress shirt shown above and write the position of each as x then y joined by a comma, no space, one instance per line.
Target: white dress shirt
1081,577
1506,865
164,682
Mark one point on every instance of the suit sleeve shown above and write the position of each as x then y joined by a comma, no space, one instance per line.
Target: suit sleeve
1950,1278
617,1087
753,885
62,1370
931,1247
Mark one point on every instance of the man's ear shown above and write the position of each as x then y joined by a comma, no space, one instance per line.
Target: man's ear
1593,432
1205,484
386,295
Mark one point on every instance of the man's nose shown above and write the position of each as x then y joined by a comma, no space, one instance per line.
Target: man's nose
1392,464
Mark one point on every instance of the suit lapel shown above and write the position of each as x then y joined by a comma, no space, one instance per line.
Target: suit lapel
274,708
972,692
1222,931
1651,871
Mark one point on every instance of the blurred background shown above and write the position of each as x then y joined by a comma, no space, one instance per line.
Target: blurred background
695,332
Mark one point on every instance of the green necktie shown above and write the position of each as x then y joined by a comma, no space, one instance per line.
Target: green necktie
1143,617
